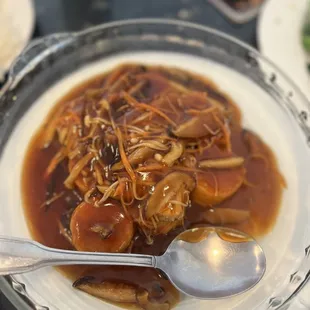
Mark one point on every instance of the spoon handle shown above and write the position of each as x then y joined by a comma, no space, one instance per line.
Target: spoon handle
22,255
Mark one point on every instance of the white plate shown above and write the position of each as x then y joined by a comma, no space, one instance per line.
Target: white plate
16,26
279,34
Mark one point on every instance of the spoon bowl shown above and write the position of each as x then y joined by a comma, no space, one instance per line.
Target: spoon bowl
213,263
205,262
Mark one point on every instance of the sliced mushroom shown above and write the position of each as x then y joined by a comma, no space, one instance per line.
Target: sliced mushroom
138,156
222,163
120,293
115,292
174,186
146,304
217,104
76,167
171,213
177,149
194,100
102,229
143,297
189,161
152,144
204,124
224,216
216,186
174,209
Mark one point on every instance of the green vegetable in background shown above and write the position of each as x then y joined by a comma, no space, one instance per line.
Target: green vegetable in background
306,33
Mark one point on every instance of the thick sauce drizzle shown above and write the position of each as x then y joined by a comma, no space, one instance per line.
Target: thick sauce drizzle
258,198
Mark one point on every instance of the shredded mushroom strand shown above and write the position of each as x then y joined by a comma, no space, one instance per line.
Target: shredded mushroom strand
222,163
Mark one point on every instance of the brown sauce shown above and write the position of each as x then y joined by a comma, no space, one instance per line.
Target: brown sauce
199,234
195,235
257,198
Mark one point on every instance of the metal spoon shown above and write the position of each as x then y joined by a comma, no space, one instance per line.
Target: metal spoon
205,262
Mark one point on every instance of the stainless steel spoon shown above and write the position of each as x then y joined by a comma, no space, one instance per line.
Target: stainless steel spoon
205,262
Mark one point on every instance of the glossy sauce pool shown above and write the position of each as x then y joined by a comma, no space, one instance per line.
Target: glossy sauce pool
261,196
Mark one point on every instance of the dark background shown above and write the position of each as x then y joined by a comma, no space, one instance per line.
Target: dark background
71,15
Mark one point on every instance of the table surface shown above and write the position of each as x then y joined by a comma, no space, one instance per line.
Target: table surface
71,15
